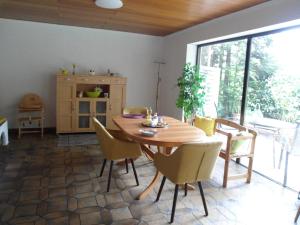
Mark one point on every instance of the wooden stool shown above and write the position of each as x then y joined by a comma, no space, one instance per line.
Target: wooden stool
30,110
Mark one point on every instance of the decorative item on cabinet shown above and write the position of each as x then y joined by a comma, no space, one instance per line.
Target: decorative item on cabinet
92,72
74,68
64,71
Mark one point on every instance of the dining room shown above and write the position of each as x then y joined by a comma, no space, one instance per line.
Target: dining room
149,112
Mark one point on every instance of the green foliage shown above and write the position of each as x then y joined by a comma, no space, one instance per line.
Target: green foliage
273,91
191,91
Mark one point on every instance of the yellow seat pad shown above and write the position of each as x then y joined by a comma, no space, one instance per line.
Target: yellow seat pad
2,120
206,124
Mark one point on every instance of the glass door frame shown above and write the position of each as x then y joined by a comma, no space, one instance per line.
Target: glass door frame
249,39
247,59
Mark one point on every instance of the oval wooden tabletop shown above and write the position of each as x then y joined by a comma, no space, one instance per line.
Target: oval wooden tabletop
174,135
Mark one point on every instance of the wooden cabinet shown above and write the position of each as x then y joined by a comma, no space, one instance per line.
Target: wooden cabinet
74,112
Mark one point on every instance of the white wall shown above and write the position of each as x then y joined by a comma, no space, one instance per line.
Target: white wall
32,53
175,45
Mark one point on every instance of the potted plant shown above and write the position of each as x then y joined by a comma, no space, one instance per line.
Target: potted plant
191,91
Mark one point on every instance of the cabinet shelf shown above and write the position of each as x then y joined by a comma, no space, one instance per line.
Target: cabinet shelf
91,99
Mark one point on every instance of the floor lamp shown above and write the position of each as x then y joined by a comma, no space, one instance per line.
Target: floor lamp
157,83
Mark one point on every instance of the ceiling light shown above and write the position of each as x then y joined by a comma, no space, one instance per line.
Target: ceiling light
109,4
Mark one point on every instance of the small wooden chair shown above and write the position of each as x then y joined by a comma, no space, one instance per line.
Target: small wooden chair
232,132
30,109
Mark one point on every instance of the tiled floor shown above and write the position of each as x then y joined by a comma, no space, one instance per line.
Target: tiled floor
42,184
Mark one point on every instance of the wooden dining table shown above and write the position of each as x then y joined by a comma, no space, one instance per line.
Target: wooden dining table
173,135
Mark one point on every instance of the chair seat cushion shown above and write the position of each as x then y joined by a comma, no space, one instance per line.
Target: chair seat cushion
206,124
240,146
2,120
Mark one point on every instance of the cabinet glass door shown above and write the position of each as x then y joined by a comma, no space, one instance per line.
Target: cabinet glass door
84,107
84,122
100,111
84,115
100,107
102,120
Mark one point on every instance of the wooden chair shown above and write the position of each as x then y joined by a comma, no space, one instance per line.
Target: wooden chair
30,110
189,163
135,110
232,132
114,149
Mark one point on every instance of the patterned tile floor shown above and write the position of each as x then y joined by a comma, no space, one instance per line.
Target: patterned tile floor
42,184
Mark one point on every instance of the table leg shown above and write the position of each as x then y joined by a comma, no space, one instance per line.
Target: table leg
157,175
148,189
148,153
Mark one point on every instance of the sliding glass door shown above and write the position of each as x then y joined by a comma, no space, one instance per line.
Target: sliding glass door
273,104
257,79
224,65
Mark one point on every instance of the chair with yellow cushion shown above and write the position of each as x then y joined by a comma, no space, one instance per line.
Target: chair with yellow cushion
191,162
135,110
114,149
240,143
206,124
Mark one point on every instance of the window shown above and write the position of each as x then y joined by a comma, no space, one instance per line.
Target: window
255,80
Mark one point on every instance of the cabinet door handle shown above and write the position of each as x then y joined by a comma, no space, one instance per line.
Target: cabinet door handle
109,106
73,106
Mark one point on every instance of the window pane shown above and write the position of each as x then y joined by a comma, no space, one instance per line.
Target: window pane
224,64
273,104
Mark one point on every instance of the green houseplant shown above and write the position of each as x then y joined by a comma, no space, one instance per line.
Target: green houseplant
191,91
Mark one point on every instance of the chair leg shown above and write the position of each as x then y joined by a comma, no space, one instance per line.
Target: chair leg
135,175
297,215
185,189
249,172
126,164
174,203
103,166
109,175
203,198
226,168
160,188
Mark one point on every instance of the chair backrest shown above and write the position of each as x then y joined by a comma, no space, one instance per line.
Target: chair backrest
219,122
236,137
31,101
105,139
135,110
195,161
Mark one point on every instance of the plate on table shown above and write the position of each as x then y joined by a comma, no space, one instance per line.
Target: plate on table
147,133
159,125
134,116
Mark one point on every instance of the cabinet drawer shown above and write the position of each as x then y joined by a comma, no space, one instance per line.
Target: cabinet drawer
93,80
118,80
103,80
67,79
